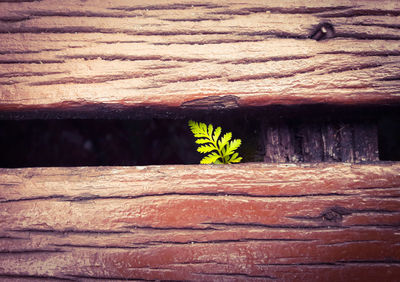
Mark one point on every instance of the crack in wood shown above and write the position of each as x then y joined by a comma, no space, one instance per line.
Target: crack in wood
200,19
386,53
38,277
14,19
29,251
196,263
28,74
339,263
316,264
98,246
17,62
61,30
120,41
274,226
386,262
262,76
88,29
172,6
390,78
246,61
93,79
229,241
8,52
38,198
121,57
11,238
155,228
237,274
353,68
367,36
190,78
279,10
351,13
9,82
207,41
106,278
274,34
392,26
84,14
68,231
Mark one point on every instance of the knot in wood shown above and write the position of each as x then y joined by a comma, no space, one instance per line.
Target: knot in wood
334,214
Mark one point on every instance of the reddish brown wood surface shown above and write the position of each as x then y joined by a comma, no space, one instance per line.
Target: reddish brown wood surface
325,222
194,55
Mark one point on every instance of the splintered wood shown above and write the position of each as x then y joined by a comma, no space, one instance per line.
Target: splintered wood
325,222
190,55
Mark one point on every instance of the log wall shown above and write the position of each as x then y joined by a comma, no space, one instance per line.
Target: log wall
319,222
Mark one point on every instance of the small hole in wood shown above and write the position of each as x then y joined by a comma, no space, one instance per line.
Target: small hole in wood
323,31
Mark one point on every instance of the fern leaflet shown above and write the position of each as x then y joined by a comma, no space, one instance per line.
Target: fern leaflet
221,150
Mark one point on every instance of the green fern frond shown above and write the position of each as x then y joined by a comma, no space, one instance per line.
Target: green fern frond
222,150
210,159
205,149
202,141
232,146
224,140
235,158
217,133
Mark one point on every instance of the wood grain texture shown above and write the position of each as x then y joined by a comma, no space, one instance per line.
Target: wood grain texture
196,55
322,222
320,141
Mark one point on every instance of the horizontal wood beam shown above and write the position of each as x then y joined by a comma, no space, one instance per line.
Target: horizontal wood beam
191,55
320,222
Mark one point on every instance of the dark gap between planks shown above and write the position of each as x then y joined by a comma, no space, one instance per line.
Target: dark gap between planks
125,141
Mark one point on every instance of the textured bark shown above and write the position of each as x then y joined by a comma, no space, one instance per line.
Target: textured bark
313,141
227,54
322,222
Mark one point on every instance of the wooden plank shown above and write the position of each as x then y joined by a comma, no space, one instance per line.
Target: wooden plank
321,222
320,141
190,55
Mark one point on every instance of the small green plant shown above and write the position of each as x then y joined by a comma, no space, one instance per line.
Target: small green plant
221,150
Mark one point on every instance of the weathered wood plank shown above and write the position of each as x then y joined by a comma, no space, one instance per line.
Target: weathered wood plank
190,55
336,222
320,141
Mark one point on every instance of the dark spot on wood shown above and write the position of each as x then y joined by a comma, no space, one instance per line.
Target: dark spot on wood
213,103
323,31
334,215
